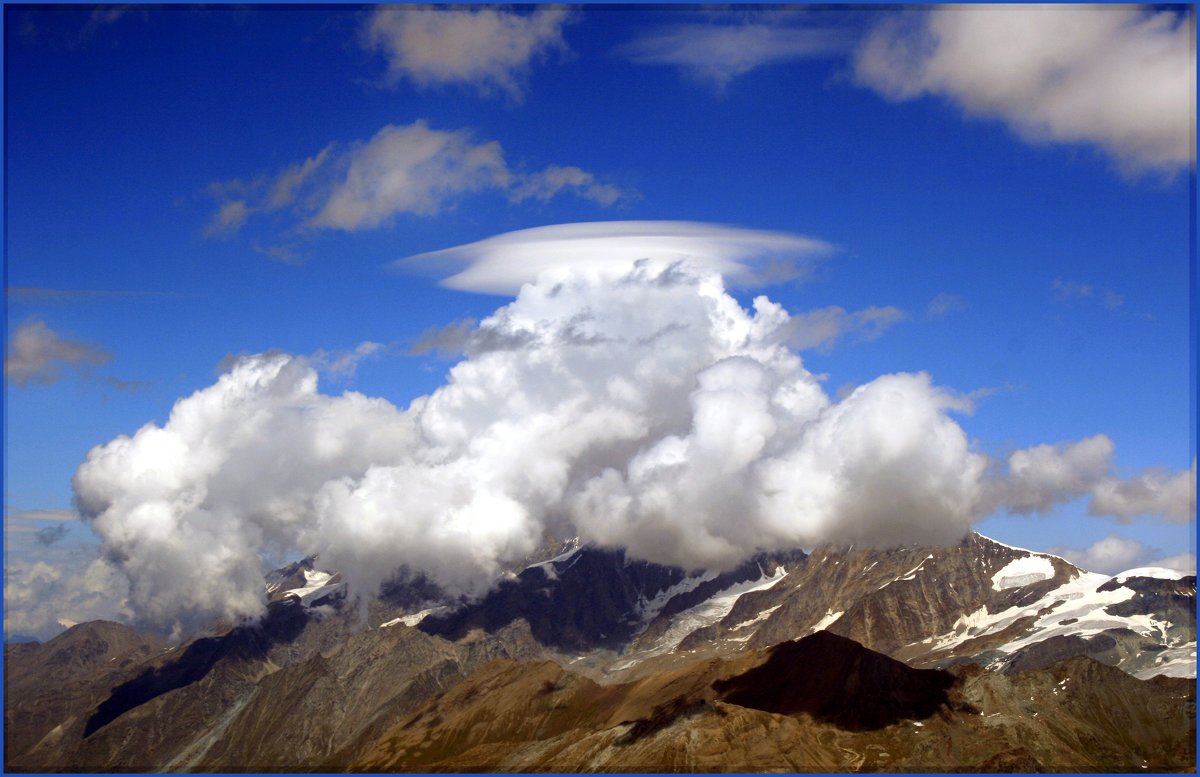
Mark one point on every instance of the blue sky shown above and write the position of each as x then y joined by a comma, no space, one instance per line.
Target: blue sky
161,216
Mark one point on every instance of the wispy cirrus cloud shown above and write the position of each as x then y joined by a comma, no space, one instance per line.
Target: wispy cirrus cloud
1119,78
944,304
823,328
1065,290
717,53
545,185
488,49
409,169
42,294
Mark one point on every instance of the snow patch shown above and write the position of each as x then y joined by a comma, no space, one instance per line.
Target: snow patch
1080,602
1156,572
827,620
316,586
1023,571
909,575
707,613
414,618
762,616
1173,662
548,566
648,609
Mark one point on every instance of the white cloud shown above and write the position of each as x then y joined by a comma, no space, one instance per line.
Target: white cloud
37,355
944,304
1115,554
1043,476
1109,556
49,576
1121,78
636,404
413,169
822,329
1184,562
1166,494
487,48
547,184
1064,290
718,53
67,582
343,364
228,219
284,187
608,250
623,396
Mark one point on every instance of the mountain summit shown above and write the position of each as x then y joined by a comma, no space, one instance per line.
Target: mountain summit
977,657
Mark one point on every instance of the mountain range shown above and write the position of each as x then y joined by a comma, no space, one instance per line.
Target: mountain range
974,657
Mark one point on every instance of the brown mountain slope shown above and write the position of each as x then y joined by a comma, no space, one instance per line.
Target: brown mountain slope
48,684
786,709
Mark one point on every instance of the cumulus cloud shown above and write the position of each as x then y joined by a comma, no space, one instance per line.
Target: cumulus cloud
1171,495
1043,476
623,396
37,355
49,577
403,169
1115,554
718,53
639,405
487,48
66,584
411,169
185,508
1109,556
1121,78
1183,562
608,250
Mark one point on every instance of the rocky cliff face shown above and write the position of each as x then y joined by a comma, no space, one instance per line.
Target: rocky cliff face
977,657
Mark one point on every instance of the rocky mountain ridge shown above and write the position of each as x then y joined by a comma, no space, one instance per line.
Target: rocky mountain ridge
589,661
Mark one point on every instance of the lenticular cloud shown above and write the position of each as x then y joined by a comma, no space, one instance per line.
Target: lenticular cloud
641,408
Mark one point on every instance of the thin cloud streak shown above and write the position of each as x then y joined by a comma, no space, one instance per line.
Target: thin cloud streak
411,169
719,53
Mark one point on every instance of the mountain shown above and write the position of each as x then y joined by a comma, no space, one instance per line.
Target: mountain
976,657
823,703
